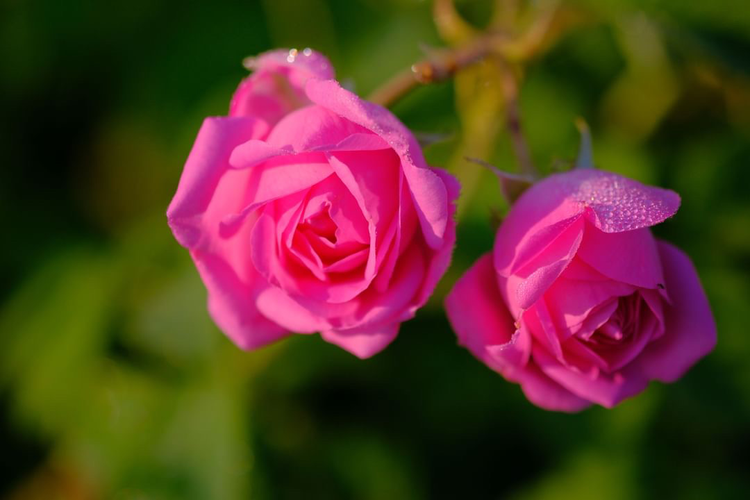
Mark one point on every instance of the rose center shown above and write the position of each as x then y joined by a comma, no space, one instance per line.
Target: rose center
321,223
622,325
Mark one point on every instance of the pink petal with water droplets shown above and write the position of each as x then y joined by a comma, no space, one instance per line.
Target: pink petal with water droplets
609,201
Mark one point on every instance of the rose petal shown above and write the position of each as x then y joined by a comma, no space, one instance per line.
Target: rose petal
376,307
303,250
571,301
207,163
278,306
533,245
250,153
602,388
528,284
273,263
373,307
628,257
371,177
312,128
609,201
626,352
484,326
276,179
442,257
548,394
358,142
343,208
397,238
477,313
595,318
540,323
690,328
231,304
363,342
350,180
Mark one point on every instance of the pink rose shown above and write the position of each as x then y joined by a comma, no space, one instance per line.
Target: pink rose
309,209
600,307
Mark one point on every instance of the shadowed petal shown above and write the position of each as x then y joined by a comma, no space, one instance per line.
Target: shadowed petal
690,330
363,342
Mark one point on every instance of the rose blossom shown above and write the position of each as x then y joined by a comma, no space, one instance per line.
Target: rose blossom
578,303
309,209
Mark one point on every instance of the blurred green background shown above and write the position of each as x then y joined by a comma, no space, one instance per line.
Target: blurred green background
114,383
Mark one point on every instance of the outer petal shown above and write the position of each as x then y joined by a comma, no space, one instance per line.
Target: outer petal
231,304
207,164
427,189
484,326
442,257
690,328
274,303
364,342
277,85
478,314
208,189
548,394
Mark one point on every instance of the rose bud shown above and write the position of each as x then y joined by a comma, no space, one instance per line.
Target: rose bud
578,302
311,210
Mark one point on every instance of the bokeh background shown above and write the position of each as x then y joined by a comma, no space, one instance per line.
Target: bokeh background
114,383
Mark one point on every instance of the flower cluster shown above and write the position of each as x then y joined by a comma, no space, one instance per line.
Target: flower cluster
308,209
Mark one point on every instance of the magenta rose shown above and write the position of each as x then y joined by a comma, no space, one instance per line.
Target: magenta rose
578,303
311,210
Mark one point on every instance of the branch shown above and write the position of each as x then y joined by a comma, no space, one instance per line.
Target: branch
438,68
509,85
445,64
